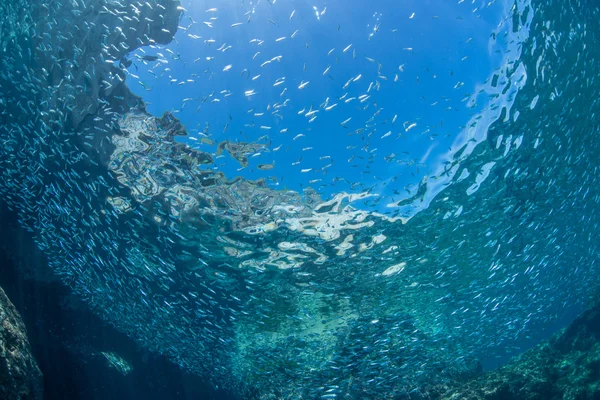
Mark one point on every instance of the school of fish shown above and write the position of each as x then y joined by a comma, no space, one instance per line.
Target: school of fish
277,294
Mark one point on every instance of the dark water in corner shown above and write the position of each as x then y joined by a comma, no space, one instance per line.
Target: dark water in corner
67,338
339,202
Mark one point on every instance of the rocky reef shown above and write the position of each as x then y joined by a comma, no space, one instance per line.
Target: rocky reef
20,377
565,367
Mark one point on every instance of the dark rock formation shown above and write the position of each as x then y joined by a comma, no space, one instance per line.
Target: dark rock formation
20,377
565,367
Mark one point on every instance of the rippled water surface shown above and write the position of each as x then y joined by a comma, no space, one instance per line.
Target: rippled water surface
309,199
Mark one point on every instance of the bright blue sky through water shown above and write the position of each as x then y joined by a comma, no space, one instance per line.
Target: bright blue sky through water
417,61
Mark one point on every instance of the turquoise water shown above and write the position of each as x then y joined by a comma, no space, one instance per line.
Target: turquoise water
282,256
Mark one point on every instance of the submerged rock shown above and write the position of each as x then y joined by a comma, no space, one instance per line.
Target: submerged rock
117,362
565,367
20,377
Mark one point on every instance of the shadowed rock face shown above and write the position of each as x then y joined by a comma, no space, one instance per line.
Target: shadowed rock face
20,377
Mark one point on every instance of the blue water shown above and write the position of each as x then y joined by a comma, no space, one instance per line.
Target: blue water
444,52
